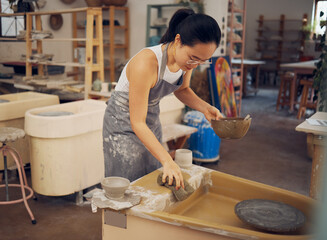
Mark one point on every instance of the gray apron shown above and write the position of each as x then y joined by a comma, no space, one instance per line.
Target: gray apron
124,154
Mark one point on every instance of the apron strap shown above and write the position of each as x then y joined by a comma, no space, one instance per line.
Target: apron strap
163,62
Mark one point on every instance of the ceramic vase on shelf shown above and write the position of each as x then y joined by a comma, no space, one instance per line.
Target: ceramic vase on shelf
114,2
94,3
97,85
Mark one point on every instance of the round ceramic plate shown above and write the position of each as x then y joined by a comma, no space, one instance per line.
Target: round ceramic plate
270,215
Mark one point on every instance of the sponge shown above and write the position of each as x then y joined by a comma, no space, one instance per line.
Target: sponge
180,194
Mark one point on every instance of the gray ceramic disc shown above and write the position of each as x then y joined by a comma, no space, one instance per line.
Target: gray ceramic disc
54,114
3,100
270,215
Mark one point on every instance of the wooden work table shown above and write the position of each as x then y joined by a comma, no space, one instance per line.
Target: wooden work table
317,145
248,63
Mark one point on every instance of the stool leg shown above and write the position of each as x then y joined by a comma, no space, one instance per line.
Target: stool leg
292,93
281,87
22,178
6,173
21,165
303,103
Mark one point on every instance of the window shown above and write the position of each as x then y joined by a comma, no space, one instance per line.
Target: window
10,26
320,6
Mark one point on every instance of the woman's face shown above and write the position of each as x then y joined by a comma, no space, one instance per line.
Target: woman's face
200,53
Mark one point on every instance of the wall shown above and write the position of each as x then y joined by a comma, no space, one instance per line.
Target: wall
292,9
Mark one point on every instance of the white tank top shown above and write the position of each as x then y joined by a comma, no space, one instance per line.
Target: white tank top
171,77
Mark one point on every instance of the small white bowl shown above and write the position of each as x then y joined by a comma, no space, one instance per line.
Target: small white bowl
183,158
115,187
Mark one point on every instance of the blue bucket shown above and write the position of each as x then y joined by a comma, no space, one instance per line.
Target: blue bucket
204,143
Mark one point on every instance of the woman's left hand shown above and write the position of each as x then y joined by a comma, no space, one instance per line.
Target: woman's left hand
212,113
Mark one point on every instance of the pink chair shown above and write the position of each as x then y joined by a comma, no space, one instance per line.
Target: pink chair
9,134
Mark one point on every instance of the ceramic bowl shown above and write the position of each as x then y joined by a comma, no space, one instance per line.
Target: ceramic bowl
115,187
231,128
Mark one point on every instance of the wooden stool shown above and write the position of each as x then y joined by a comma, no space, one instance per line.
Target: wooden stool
286,92
9,134
306,98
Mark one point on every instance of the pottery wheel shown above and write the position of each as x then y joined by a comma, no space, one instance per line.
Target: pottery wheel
129,200
270,215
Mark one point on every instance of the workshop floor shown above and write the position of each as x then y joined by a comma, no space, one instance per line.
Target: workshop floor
272,152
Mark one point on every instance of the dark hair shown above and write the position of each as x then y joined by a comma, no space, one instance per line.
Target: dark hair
192,27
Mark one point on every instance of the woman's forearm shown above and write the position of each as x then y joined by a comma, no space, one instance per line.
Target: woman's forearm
189,98
150,141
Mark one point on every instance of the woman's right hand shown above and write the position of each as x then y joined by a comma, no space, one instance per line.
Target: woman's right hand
172,170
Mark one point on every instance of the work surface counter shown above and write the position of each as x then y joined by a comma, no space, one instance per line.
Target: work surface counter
207,214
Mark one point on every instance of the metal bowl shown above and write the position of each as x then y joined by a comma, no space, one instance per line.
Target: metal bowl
115,187
230,127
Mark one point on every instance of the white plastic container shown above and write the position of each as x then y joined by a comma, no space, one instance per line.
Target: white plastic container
171,110
66,151
12,114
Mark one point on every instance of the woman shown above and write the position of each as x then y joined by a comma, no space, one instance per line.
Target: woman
132,130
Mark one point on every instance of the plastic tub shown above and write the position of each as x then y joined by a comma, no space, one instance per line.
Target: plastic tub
66,149
204,143
12,114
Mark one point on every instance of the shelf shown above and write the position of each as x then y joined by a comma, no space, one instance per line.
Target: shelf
237,56
3,39
11,14
67,64
105,26
71,10
277,30
168,5
236,70
235,14
279,40
116,8
279,20
94,45
123,46
108,33
158,26
100,94
60,39
236,41
238,11
108,68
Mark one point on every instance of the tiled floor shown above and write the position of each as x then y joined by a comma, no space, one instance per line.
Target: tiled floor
272,153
